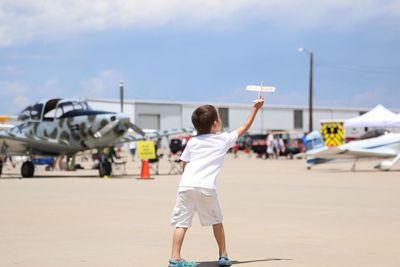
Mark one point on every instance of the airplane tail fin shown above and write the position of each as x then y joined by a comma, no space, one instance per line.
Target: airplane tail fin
313,141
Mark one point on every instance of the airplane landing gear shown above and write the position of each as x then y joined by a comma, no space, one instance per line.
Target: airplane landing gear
105,168
27,169
353,167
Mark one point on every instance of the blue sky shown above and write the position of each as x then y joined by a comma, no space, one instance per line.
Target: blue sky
200,50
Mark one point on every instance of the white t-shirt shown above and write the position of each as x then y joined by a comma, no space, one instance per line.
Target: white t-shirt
205,156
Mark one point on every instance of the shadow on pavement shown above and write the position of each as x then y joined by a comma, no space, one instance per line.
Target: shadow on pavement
215,263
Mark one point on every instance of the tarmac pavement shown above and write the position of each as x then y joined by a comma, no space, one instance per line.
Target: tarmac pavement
276,213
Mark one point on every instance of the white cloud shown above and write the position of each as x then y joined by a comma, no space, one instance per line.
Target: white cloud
19,102
10,70
26,20
106,83
13,96
8,88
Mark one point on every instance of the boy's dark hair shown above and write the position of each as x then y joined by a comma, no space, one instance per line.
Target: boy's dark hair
203,118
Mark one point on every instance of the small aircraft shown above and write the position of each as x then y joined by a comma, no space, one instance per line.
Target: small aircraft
385,146
3,121
65,127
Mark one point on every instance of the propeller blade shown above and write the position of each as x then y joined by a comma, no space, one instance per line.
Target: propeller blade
108,127
136,129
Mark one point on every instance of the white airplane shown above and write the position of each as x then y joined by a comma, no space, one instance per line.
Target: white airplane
386,147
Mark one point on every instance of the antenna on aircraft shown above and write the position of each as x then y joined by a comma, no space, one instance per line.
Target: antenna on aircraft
261,88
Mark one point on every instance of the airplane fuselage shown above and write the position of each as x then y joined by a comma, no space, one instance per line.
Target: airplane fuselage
65,135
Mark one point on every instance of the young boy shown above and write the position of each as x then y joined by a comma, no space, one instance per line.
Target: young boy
203,158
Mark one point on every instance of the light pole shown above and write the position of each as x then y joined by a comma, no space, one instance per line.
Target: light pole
121,95
310,95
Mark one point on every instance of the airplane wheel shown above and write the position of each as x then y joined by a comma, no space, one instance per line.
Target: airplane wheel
27,169
105,168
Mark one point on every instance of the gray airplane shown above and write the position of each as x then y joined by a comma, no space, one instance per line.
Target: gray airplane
65,127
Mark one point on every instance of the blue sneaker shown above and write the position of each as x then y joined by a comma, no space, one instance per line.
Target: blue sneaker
224,261
182,263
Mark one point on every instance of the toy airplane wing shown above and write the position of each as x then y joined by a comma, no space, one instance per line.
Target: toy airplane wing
257,88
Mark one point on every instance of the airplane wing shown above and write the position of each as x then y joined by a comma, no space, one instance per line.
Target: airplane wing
20,144
152,134
167,133
4,126
369,153
339,153
129,137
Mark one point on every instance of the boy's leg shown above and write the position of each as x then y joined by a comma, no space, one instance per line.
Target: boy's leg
177,241
219,235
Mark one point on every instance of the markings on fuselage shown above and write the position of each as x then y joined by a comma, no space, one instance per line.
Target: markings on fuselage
65,136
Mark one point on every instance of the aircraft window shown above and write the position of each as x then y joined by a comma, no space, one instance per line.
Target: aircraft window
36,112
50,109
50,114
59,112
25,114
80,106
67,107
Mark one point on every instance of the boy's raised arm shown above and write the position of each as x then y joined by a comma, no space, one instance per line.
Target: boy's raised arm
257,105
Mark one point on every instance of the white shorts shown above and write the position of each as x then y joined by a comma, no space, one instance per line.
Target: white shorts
204,201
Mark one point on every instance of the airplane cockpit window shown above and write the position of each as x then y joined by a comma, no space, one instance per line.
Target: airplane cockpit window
25,114
31,113
71,106
36,112
50,109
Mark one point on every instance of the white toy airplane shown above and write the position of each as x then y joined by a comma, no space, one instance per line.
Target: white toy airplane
259,89
385,147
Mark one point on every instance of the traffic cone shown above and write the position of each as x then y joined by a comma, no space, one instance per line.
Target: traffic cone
145,171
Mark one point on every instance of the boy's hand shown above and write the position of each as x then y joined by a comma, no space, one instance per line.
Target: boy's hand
259,102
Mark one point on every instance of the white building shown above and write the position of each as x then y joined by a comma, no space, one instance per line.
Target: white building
163,115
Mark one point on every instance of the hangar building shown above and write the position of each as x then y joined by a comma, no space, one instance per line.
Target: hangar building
163,115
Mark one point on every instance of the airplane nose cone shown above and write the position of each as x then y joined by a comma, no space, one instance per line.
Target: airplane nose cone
123,123
122,117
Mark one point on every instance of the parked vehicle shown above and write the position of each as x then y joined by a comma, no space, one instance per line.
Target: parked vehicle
178,144
293,143
259,143
292,140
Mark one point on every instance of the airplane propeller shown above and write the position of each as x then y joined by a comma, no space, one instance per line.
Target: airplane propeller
108,127
136,129
111,125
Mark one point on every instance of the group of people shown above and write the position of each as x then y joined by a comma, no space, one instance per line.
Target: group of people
275,146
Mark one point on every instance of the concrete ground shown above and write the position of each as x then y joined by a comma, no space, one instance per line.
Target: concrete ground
276,213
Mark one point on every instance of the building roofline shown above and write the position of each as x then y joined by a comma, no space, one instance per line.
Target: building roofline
234,105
